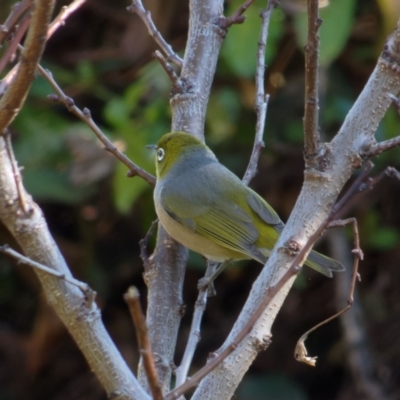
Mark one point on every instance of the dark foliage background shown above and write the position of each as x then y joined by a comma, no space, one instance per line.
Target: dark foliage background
102,58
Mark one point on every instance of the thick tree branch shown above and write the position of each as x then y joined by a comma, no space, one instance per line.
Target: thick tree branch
217,360
320,191
261,108
16,93
188,103
80,315
26,223
204,41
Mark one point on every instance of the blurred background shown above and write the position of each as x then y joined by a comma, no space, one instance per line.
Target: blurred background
102,58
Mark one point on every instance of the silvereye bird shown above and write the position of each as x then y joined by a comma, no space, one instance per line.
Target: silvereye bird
208,209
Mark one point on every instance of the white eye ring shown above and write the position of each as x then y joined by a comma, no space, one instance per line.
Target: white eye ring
160,154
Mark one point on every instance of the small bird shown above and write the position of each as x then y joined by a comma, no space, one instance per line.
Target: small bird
208,209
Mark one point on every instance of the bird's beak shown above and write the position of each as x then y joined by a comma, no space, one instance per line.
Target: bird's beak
151,146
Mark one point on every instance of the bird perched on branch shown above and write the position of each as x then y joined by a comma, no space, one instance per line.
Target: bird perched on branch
208,209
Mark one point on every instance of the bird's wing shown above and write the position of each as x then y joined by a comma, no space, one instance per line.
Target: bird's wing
227,225
264,210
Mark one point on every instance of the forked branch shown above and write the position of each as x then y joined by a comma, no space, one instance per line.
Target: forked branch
145,16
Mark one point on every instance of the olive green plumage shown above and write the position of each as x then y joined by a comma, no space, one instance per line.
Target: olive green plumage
208,209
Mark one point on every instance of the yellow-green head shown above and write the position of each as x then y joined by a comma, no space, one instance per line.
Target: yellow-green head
177,146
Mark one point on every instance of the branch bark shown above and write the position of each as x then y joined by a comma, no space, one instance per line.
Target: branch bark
188,104
15,95
17,11
319,193
80,316
311,129
25,221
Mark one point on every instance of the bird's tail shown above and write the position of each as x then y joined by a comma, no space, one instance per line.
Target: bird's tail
323,264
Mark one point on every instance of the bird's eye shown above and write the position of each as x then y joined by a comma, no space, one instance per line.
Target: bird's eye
160,154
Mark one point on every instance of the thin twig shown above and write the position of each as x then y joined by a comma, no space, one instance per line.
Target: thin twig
194,334
5,249
356,187
379,148
85,116
176,81
18,9
64,13
350,197
59,21
300,353
132,298
212,364
293,269
145,16
261,98
237,17
360,359
25,208
311,129
13,45
143,244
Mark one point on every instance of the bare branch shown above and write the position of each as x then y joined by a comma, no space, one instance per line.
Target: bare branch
132,298
59,21
145,16
168,263
15,95
311,129
143,245
80,315
360,358
176,82
379,148
237,17
64,13
89,293
261,98
12,47
194,334
18,9
85,116
269,295
17,175
261,106
300,353
247,328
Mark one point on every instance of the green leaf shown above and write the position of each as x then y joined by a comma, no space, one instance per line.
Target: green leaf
127,190
337,19
239,49
223,114
50,184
